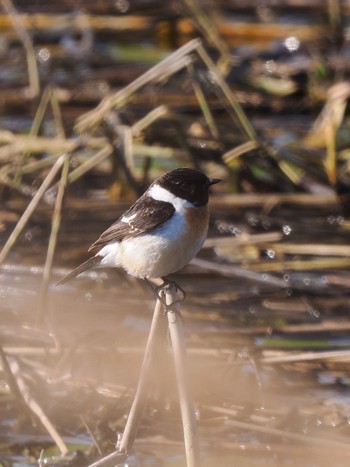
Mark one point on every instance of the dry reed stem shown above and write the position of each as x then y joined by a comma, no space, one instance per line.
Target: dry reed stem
35,407
301,265
155,114
20,27
36,124
203,105
272,200
287,435
228,94
244,239
141,394
179,353
89,164
237,32
60,22
125,135
230,156
55,227
163,70
92,118
25,144
37,165
30,208
238,271
56,112
320,249
210,31
177,337
341,355
15,144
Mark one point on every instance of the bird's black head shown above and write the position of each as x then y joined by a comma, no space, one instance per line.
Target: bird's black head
190,184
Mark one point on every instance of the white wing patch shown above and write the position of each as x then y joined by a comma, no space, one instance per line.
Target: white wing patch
127,219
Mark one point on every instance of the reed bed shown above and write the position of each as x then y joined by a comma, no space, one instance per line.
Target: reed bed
94,113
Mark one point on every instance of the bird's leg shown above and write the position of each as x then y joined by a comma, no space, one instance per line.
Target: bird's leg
166,283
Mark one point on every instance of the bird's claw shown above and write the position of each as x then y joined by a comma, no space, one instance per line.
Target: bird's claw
160,292
168,285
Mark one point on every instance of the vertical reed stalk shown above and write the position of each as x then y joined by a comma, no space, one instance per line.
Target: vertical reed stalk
137,408
55,227
177,337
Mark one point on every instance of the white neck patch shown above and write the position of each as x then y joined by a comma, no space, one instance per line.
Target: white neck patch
161,194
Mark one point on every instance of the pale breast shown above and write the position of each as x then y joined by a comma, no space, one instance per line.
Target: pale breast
169,247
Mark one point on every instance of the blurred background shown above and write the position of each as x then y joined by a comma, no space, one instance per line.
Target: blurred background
97,99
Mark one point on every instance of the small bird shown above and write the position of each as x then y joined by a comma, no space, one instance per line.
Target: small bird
160,233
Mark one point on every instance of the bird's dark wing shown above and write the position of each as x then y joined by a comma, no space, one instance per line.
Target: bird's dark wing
142,217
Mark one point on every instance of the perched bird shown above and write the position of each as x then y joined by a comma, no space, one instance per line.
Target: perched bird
161,232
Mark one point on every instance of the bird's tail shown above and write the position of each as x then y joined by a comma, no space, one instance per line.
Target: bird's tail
89,264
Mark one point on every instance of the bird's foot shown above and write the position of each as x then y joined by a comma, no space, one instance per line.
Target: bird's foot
161,292
168,285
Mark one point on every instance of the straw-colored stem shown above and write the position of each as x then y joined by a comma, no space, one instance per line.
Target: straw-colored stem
301,265
19,26
177,337
137,408
170,65
230,156
89,164
30,208
56,222
287,435
210,30
227,93
230,270
57,114
34,130
125,135
38,165
14,144
35,407
204,105
149,119
40,112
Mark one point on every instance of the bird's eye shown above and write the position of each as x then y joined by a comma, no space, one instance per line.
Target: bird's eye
186,186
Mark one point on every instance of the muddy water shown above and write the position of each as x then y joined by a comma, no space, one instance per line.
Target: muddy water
265,369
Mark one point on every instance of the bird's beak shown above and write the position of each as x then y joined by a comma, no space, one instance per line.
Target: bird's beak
212,181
